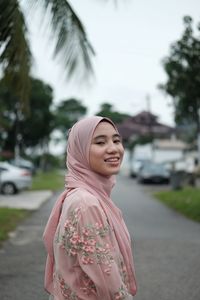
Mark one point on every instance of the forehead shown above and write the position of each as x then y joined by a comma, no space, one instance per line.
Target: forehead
104,128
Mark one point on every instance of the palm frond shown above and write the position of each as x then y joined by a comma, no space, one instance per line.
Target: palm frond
15,55
72,44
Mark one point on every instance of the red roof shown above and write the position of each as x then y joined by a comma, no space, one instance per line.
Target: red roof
143,124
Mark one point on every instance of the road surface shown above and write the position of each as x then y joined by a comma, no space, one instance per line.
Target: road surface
166,245
166,250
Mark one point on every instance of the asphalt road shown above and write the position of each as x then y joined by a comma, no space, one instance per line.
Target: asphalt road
166,245
166,250
22,259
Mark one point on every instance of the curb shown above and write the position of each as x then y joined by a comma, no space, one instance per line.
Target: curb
26,200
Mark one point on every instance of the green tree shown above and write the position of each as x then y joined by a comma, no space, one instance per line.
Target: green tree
182,67
71,42
15,55
106,110
37,127
67,113
18,128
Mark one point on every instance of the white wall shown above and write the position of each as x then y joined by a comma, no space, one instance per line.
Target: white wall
157,155
167,155
143,151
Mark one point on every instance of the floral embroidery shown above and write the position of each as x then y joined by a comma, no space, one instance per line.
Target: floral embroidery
66,290
89,286
89,242
123,273
85,243
121,294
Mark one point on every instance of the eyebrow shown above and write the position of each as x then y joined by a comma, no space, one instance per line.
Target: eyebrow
105,136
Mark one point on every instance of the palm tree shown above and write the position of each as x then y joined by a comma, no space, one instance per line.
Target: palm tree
15,54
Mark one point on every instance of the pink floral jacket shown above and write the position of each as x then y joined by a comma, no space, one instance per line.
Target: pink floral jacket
88,264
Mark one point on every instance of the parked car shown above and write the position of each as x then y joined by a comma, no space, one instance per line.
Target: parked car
24,164
136,164
154,173
13,179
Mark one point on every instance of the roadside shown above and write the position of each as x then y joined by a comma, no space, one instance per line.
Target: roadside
165,245
184,200
22,257
15,208
29,200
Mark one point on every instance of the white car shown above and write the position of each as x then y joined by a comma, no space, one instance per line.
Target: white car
135,166
13,179
23,164
154,173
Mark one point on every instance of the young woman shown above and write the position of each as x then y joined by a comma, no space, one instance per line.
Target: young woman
88,244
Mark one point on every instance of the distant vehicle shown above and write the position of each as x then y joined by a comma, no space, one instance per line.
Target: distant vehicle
153,173
13,179
24,164
136,164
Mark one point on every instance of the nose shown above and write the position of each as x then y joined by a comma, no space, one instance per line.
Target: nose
112,147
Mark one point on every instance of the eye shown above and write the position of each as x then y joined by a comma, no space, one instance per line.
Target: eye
117,141
100,143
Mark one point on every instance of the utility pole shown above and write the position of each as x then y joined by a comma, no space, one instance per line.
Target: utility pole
148,102
150,125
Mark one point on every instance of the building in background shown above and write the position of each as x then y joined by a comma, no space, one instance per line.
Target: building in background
144,124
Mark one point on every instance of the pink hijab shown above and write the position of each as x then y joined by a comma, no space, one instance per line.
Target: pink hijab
81,176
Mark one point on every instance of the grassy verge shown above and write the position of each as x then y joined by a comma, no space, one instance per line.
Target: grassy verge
53,180
185,201
9,219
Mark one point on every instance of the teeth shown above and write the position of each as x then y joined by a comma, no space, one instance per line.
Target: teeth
112,159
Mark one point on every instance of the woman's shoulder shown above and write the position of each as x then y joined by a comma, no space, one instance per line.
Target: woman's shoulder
84,206
81,198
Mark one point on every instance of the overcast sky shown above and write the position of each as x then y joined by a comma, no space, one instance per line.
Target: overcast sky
130,41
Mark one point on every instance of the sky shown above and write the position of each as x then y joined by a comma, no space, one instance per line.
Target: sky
130,40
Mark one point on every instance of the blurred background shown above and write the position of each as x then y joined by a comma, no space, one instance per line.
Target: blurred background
136,62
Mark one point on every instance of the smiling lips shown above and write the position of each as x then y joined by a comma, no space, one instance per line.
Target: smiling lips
112,159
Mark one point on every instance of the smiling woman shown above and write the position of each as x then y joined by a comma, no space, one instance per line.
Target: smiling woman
106,151
88,246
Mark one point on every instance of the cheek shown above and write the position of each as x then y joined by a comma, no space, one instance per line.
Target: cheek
95,154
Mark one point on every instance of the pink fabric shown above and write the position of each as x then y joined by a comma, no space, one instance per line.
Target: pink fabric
81,178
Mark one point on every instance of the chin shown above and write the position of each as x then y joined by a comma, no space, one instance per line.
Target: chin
108,172
114,172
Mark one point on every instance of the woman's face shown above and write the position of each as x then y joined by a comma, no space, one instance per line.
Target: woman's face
106,150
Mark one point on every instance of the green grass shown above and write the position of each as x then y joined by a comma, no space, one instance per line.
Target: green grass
9,219
53,180
185,201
